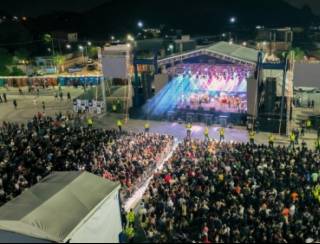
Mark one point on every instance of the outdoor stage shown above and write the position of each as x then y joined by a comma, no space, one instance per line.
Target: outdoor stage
209,93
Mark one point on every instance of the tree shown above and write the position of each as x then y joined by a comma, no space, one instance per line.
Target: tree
299,53
92,52
16,72
22,54
59,61
48,40
5,60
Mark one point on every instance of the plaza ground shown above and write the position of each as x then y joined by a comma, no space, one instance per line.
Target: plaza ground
27,109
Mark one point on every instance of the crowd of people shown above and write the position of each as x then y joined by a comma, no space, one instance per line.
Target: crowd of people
231,193
220,102
30,152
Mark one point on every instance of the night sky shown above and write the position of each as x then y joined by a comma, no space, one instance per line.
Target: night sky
39,7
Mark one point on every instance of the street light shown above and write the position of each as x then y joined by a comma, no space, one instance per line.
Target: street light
112,38
68,46
140,24
244,44
81,48
233,20
89,43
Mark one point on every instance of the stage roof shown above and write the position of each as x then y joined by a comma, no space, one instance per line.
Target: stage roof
222,50
235,51
53,208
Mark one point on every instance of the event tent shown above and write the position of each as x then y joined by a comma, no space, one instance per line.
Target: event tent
64,207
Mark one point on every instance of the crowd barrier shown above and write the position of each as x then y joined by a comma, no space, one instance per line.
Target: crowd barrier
127,193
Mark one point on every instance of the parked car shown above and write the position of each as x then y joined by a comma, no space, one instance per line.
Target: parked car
76,68
91,67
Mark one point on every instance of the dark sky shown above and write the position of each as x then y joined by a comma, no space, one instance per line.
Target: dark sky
313,4
38,7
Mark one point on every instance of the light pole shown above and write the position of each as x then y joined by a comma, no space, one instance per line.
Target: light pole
81,48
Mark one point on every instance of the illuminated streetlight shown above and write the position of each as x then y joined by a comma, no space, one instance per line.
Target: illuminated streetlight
233,20
89,43
68,46
113,38
140,24
224,35
81,48
244,44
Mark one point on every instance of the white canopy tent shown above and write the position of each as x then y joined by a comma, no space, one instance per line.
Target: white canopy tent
65,207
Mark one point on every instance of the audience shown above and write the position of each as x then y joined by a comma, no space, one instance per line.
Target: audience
234,193
29,153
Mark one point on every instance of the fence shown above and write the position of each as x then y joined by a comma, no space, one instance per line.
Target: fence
127,193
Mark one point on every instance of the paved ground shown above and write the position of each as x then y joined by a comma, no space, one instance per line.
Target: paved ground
237,134
27,108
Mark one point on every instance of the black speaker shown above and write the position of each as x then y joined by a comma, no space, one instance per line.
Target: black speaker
270,95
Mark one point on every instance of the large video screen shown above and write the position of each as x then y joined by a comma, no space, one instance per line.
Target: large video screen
221,88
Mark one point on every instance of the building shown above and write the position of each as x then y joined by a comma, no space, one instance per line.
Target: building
273,40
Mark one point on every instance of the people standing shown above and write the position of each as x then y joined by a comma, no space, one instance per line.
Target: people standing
252,137
43,106
206,134
15,104
221,133
271,140
189,130
5,97
147,127
61,96
119,124
292,139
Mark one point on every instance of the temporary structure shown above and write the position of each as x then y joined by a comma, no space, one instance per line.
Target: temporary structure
65,207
